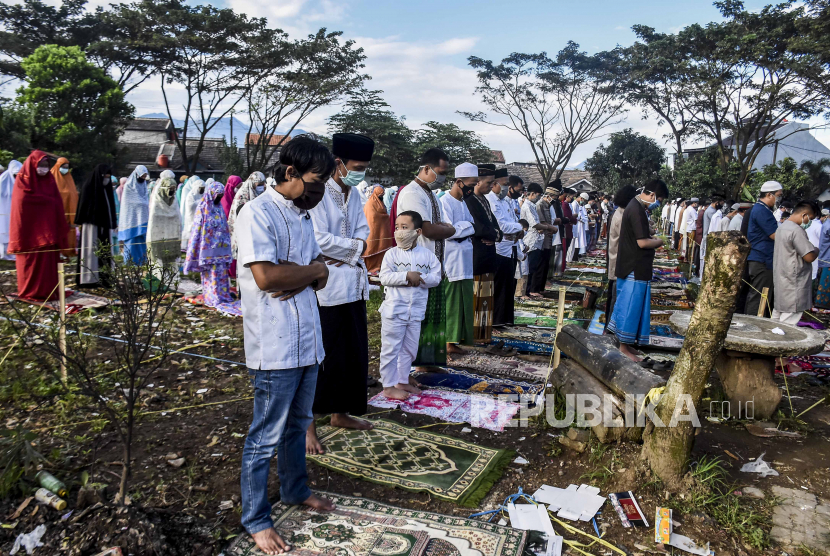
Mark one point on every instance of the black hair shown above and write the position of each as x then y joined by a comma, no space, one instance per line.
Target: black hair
806,204
658,187
825,204
787,204
417,221
515,180
305,155
785,214
624,196
534,188
433,157
524,223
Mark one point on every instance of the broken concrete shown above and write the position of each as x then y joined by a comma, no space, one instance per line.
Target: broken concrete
801,518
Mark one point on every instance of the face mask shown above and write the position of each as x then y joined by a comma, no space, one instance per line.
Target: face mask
217,199
515,194
654,205
805,225
311,197
438,181
467,190
260,189
42,171
777,201
406,239
503,193
352,178
64,171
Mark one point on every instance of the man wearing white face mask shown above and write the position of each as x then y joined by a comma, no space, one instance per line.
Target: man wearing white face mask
341,230
793,256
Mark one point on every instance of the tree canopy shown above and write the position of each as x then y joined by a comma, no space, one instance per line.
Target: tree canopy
629,158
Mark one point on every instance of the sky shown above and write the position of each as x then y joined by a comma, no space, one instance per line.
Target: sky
417,50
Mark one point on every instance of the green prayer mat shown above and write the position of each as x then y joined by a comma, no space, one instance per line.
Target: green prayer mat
360,527
398,456
432,345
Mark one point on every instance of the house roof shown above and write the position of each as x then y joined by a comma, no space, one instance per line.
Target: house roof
149,124
273,140
529,173
730,141
146,154
498,157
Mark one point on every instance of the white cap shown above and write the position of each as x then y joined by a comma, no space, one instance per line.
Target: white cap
678,199
771,185
735,206
694,200
825,212
466,170
584,196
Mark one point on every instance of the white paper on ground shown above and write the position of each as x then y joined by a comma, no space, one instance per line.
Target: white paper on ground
759,466
687,544
529,517
574,503
554,546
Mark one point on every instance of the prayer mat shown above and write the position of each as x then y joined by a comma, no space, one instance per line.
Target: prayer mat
454,407
526,334
525,346
361,527
416,460
432,344
461,380
75,302
232,309
503,366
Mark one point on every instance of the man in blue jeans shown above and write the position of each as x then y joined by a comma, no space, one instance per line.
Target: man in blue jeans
280,267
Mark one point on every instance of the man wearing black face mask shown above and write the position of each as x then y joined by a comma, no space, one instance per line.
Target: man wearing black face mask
280,267
507,252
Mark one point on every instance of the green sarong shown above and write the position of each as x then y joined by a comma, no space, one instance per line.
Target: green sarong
458,300
432,346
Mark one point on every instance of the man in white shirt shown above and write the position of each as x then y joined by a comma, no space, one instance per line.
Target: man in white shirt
418,196
280,266
458,260
507,254
340,229
534,237
690,224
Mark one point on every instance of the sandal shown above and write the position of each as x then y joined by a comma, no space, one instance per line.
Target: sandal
663,366
647,363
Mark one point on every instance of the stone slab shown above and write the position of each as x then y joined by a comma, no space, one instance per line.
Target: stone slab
801,518
754,335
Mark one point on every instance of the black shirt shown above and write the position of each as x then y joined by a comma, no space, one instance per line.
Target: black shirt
485,258
630,256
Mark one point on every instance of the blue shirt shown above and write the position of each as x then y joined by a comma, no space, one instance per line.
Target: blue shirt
824,245
762,224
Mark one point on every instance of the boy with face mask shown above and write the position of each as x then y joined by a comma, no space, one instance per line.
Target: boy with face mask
407,273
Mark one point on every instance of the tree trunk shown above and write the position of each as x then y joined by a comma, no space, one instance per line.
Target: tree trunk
668,449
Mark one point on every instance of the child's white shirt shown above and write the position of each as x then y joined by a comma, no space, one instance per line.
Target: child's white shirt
400,300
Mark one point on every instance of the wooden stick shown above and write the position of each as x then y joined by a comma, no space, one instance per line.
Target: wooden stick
62,336
763,304
560,316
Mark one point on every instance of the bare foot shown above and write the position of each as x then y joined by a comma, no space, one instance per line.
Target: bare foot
409,388
453,348
346,421
319,504
312,443
413,382
395,393
269,542
630,353
536,294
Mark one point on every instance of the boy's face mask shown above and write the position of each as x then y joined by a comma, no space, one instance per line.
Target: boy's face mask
406,239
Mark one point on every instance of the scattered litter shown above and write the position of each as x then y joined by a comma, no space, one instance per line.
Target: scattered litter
731,455
663,535
21,507
530,517
521,461
213,441
753,492
178,462
759,466
115,551
240,435
50,499
522,439
502,522
226,505
29,541
201,390
768,430
67,515
778,331
628,509
466,429
573,503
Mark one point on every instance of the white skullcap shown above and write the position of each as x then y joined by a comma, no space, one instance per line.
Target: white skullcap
584,196
168,174
825,212
678,199
466,170
694,200
736,206
771,185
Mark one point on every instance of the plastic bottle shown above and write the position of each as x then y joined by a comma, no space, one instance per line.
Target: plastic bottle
51,483
44,496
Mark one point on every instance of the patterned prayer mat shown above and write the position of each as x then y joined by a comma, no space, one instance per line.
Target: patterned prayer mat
522,333
504,366
416,460
533,348
232,309
75,302
486,412
461,380
361,527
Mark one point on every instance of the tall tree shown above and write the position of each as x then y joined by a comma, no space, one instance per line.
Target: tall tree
367,113
25,27
461,145
652,80
312,76
76,110
746,77
629,158
819,175
555,104
216,52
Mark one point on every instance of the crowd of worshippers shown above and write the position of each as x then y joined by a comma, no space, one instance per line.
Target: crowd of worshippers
788,267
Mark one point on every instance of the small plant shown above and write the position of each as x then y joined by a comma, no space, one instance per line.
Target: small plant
17,458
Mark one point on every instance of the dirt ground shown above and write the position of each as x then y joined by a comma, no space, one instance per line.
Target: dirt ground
176,511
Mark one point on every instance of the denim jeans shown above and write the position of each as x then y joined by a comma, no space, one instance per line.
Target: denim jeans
282,414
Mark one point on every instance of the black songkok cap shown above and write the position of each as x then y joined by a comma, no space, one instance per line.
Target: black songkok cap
556,184
501,173
485,170
352,146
